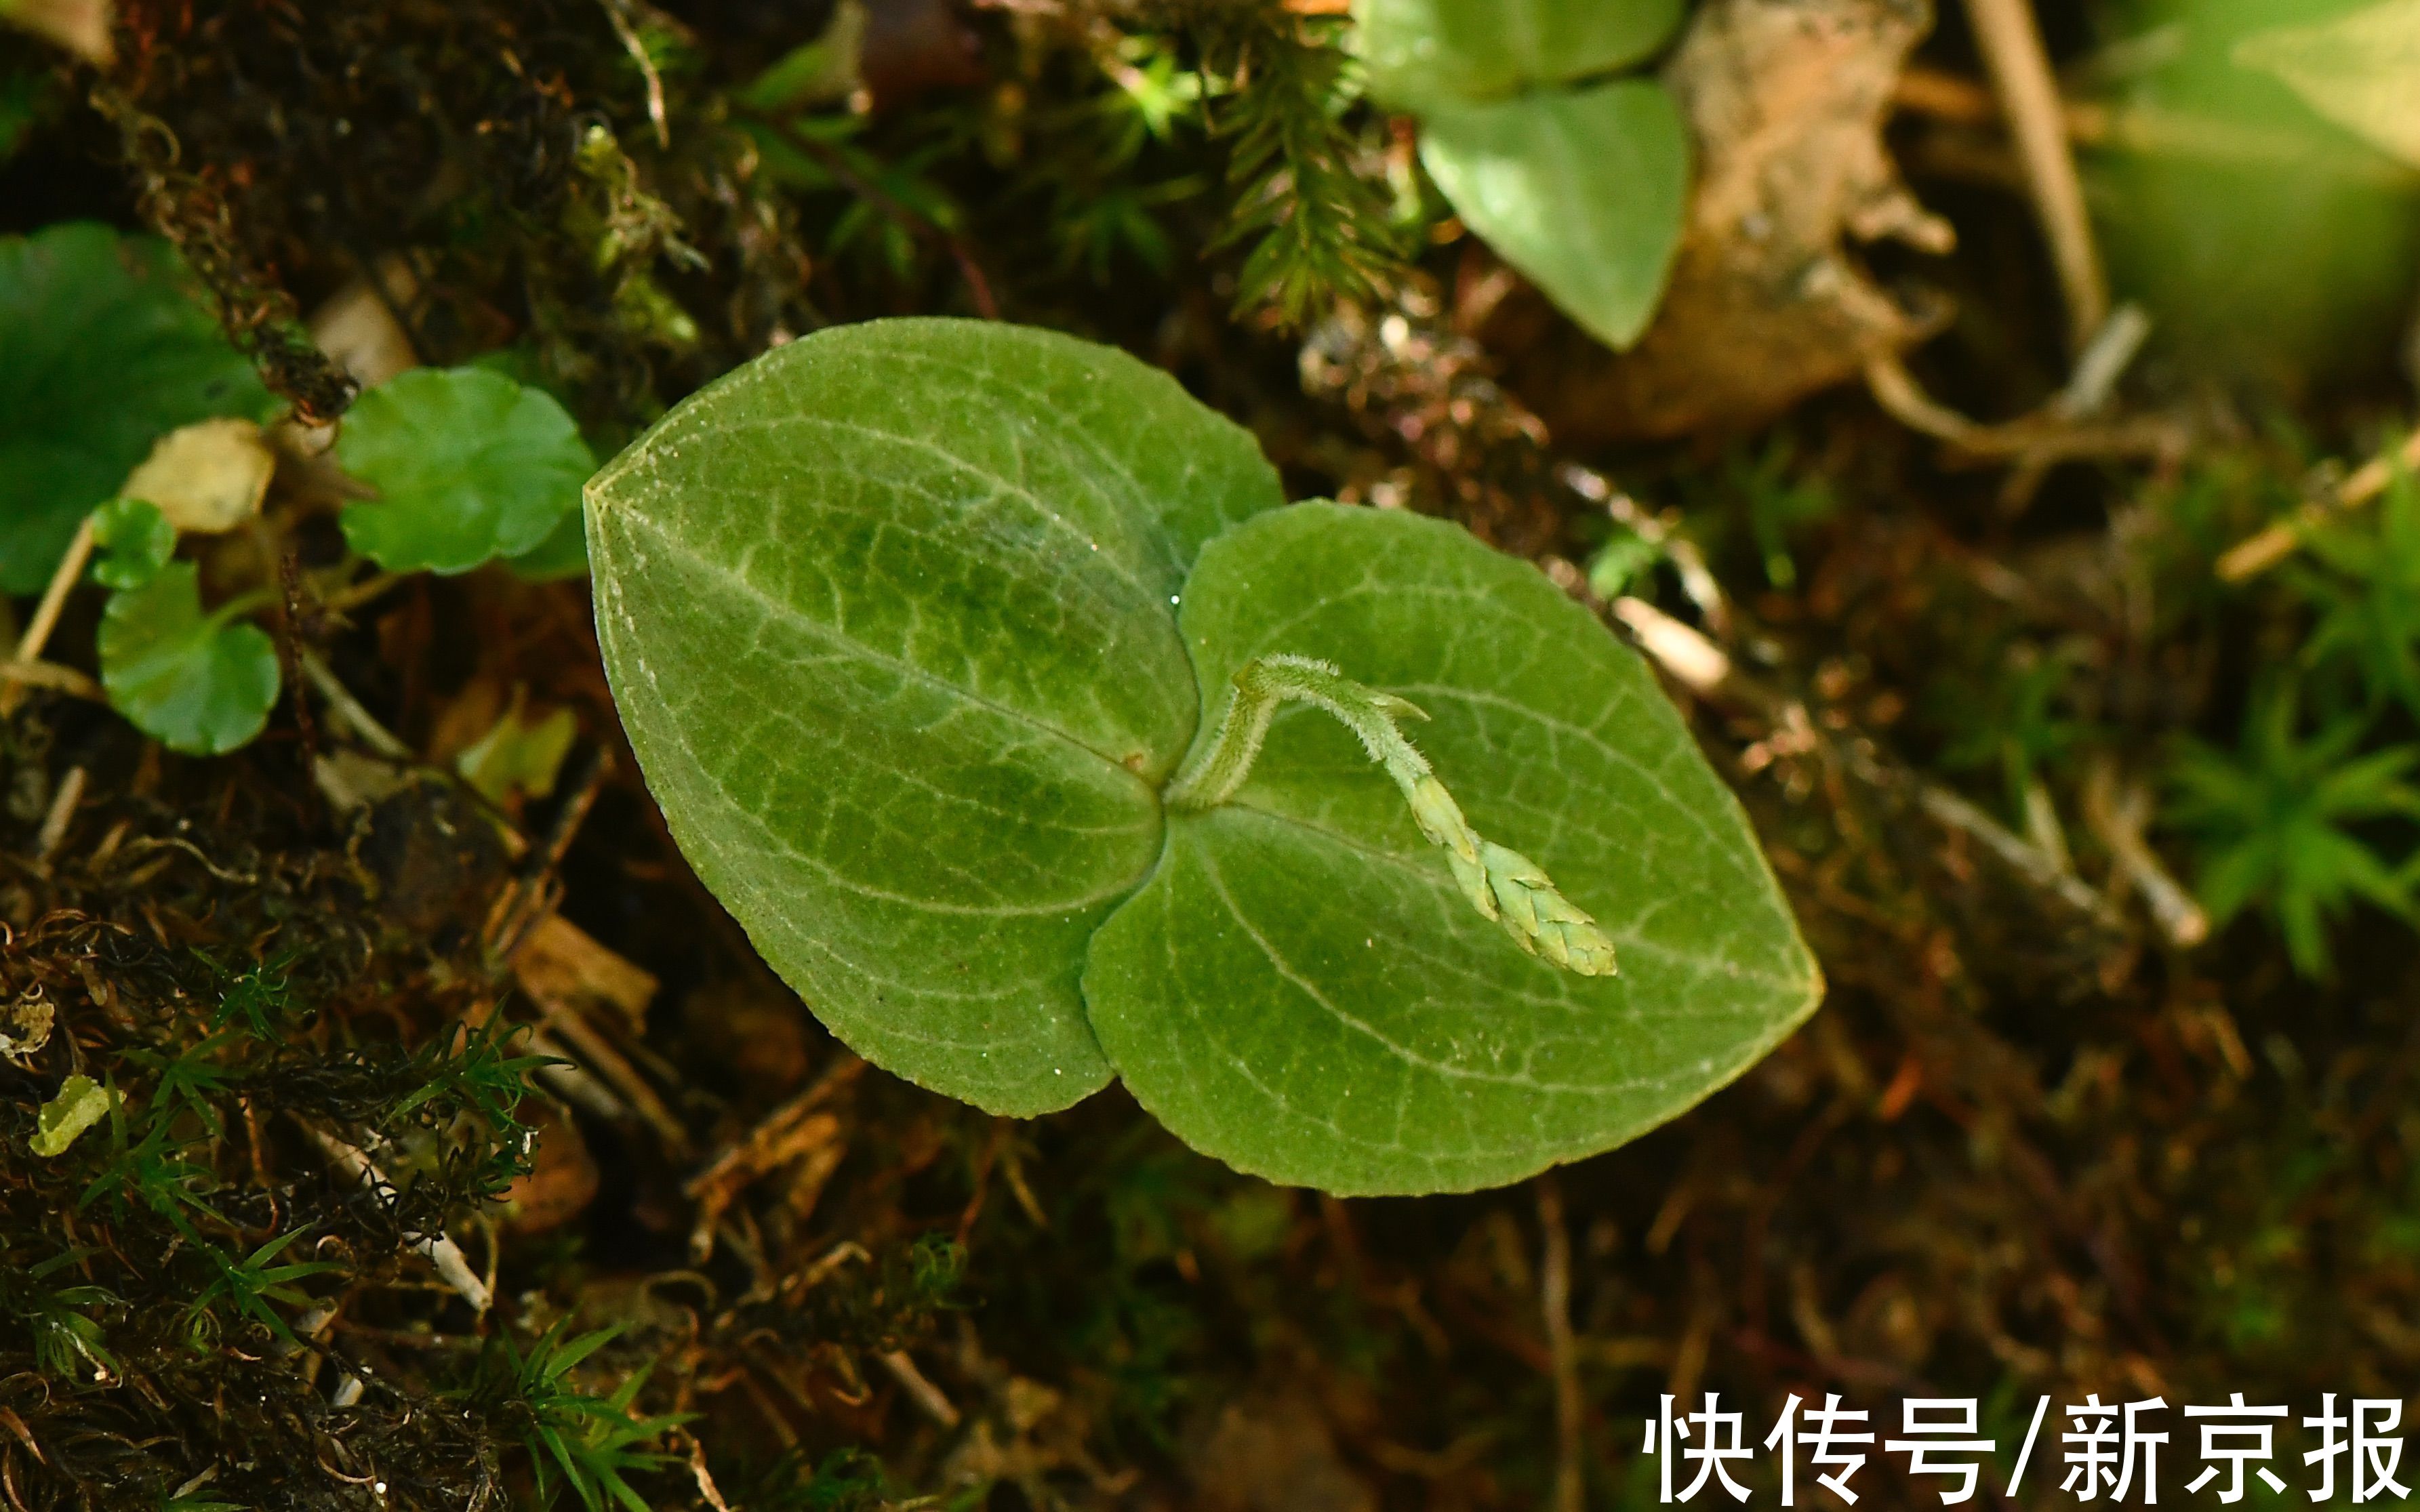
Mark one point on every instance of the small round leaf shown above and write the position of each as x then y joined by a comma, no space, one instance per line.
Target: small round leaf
186,679
133,541
469,466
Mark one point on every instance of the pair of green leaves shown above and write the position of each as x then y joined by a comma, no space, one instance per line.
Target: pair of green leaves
913,623
1577,180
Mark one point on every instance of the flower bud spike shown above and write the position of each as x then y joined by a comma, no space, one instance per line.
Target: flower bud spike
1502,883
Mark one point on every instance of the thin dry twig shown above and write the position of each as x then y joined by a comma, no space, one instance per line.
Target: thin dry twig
375,586
636,46
919,1390
341,703
792,1129
63,808
452,1264
1695,662
590,1049
707,1489
2051,434
1555,1302
2012,50
572,1081
2029,860
46,616
51,675
2257,554
1700,666
526,903
2151,130
2118,815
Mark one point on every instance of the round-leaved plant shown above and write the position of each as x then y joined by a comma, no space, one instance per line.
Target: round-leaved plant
990,682
469,466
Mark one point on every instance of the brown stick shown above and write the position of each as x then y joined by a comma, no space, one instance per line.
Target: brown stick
2048,436
2012,50
2257,554
1954,100
46,614
1555,1302
51,674
451,1263
1700,666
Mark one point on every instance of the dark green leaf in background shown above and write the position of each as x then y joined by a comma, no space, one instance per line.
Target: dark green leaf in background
103,349
1426,53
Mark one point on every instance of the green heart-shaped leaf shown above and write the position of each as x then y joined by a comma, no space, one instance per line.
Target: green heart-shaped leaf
907,627
469,465
890,617
103,349
194,682
1424,52
1583,191
1301,989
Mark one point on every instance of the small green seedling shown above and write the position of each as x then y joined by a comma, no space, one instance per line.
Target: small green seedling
2280,822
108,360
196,681
1577,179
590,1443
991,683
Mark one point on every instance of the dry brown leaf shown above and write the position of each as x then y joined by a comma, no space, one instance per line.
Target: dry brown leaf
207,477
560,963
358,327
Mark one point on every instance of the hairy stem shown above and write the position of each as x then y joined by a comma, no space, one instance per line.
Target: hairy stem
1502,883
